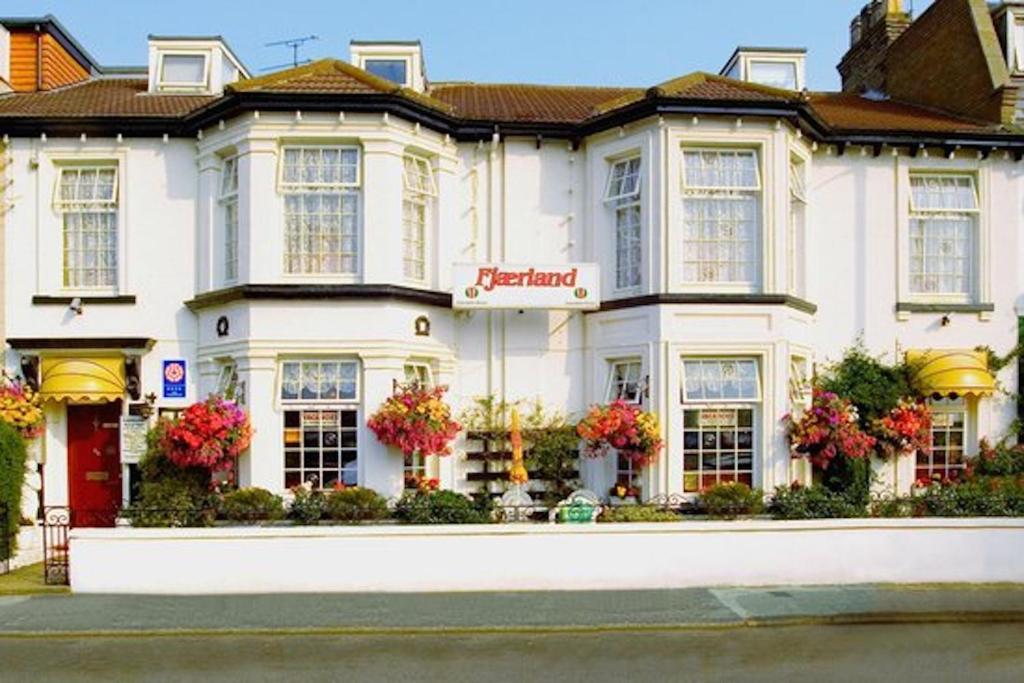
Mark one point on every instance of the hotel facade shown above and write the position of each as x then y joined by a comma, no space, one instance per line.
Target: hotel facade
304,240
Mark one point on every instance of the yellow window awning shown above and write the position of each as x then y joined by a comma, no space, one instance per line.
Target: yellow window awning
951,371
82,379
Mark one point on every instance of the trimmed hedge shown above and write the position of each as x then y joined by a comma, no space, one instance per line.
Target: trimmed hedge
12,478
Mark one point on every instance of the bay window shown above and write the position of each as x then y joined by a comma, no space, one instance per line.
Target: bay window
622,194
949,437
720,399
87,201
943,235
229,208
320,402
322,198
721,191
418,192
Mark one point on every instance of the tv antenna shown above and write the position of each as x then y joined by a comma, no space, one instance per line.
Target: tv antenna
294,44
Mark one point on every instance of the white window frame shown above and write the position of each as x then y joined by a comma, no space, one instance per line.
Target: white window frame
801,381
625,205
632,195
1016,30
755,405
757,190
300,405
974,243
341,187
722,361
418,371
614,388
963,406
229,198
162,84
796,226
62,207
419,188
753,62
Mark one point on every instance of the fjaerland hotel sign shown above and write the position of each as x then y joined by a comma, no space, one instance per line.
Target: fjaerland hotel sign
518,285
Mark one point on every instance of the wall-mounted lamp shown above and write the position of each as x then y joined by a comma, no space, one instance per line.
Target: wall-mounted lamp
946,320
76,305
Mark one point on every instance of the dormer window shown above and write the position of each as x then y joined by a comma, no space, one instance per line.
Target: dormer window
772,66
192,65
183,71
399,61
394,70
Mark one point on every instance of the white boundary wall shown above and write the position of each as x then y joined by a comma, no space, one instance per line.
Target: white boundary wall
545,557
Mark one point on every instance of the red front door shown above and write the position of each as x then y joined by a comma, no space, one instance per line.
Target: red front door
94,463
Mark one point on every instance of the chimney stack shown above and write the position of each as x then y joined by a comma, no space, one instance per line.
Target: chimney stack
878,25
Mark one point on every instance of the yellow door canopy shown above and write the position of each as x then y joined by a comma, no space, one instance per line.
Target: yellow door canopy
82,379
949,372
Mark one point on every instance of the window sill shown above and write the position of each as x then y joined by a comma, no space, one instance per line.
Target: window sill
714,298
101,300
904,309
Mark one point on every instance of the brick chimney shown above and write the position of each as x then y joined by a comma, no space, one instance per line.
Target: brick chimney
872,31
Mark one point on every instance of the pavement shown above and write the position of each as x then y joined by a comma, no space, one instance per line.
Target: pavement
43,616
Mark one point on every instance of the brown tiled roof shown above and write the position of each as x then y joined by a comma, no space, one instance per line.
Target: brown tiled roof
113,97
849,112
702,86
520,103
526,103
329,76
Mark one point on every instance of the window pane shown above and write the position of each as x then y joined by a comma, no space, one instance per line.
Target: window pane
186,69
718,446
315,447
775,74
391,69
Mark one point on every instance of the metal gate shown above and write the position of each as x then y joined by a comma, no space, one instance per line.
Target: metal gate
57,523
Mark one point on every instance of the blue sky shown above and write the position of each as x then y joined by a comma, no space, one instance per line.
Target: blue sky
621,42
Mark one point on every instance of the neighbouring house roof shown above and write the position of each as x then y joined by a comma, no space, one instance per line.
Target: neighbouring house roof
113,97
852,112
473,110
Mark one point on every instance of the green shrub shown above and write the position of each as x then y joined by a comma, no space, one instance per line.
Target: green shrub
984,497
731,500
812,502
554,456
638,513
871,385
252,504
356,504
443,507
892,506
850,478
170,495
12,478
1001,460
307,507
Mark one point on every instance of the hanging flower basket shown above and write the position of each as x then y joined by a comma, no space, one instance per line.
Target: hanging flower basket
906,430
20,407
211,434
416,420
829,428
624,427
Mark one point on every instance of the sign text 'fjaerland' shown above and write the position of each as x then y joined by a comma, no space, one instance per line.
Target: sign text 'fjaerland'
515,285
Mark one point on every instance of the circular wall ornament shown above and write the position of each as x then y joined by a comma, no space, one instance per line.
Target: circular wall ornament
223,326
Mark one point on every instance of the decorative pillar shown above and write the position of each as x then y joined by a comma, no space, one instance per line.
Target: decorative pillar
380,466
263,464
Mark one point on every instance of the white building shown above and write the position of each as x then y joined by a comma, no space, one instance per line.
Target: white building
291,238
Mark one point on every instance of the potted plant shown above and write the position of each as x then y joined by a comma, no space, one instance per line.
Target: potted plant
624,494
